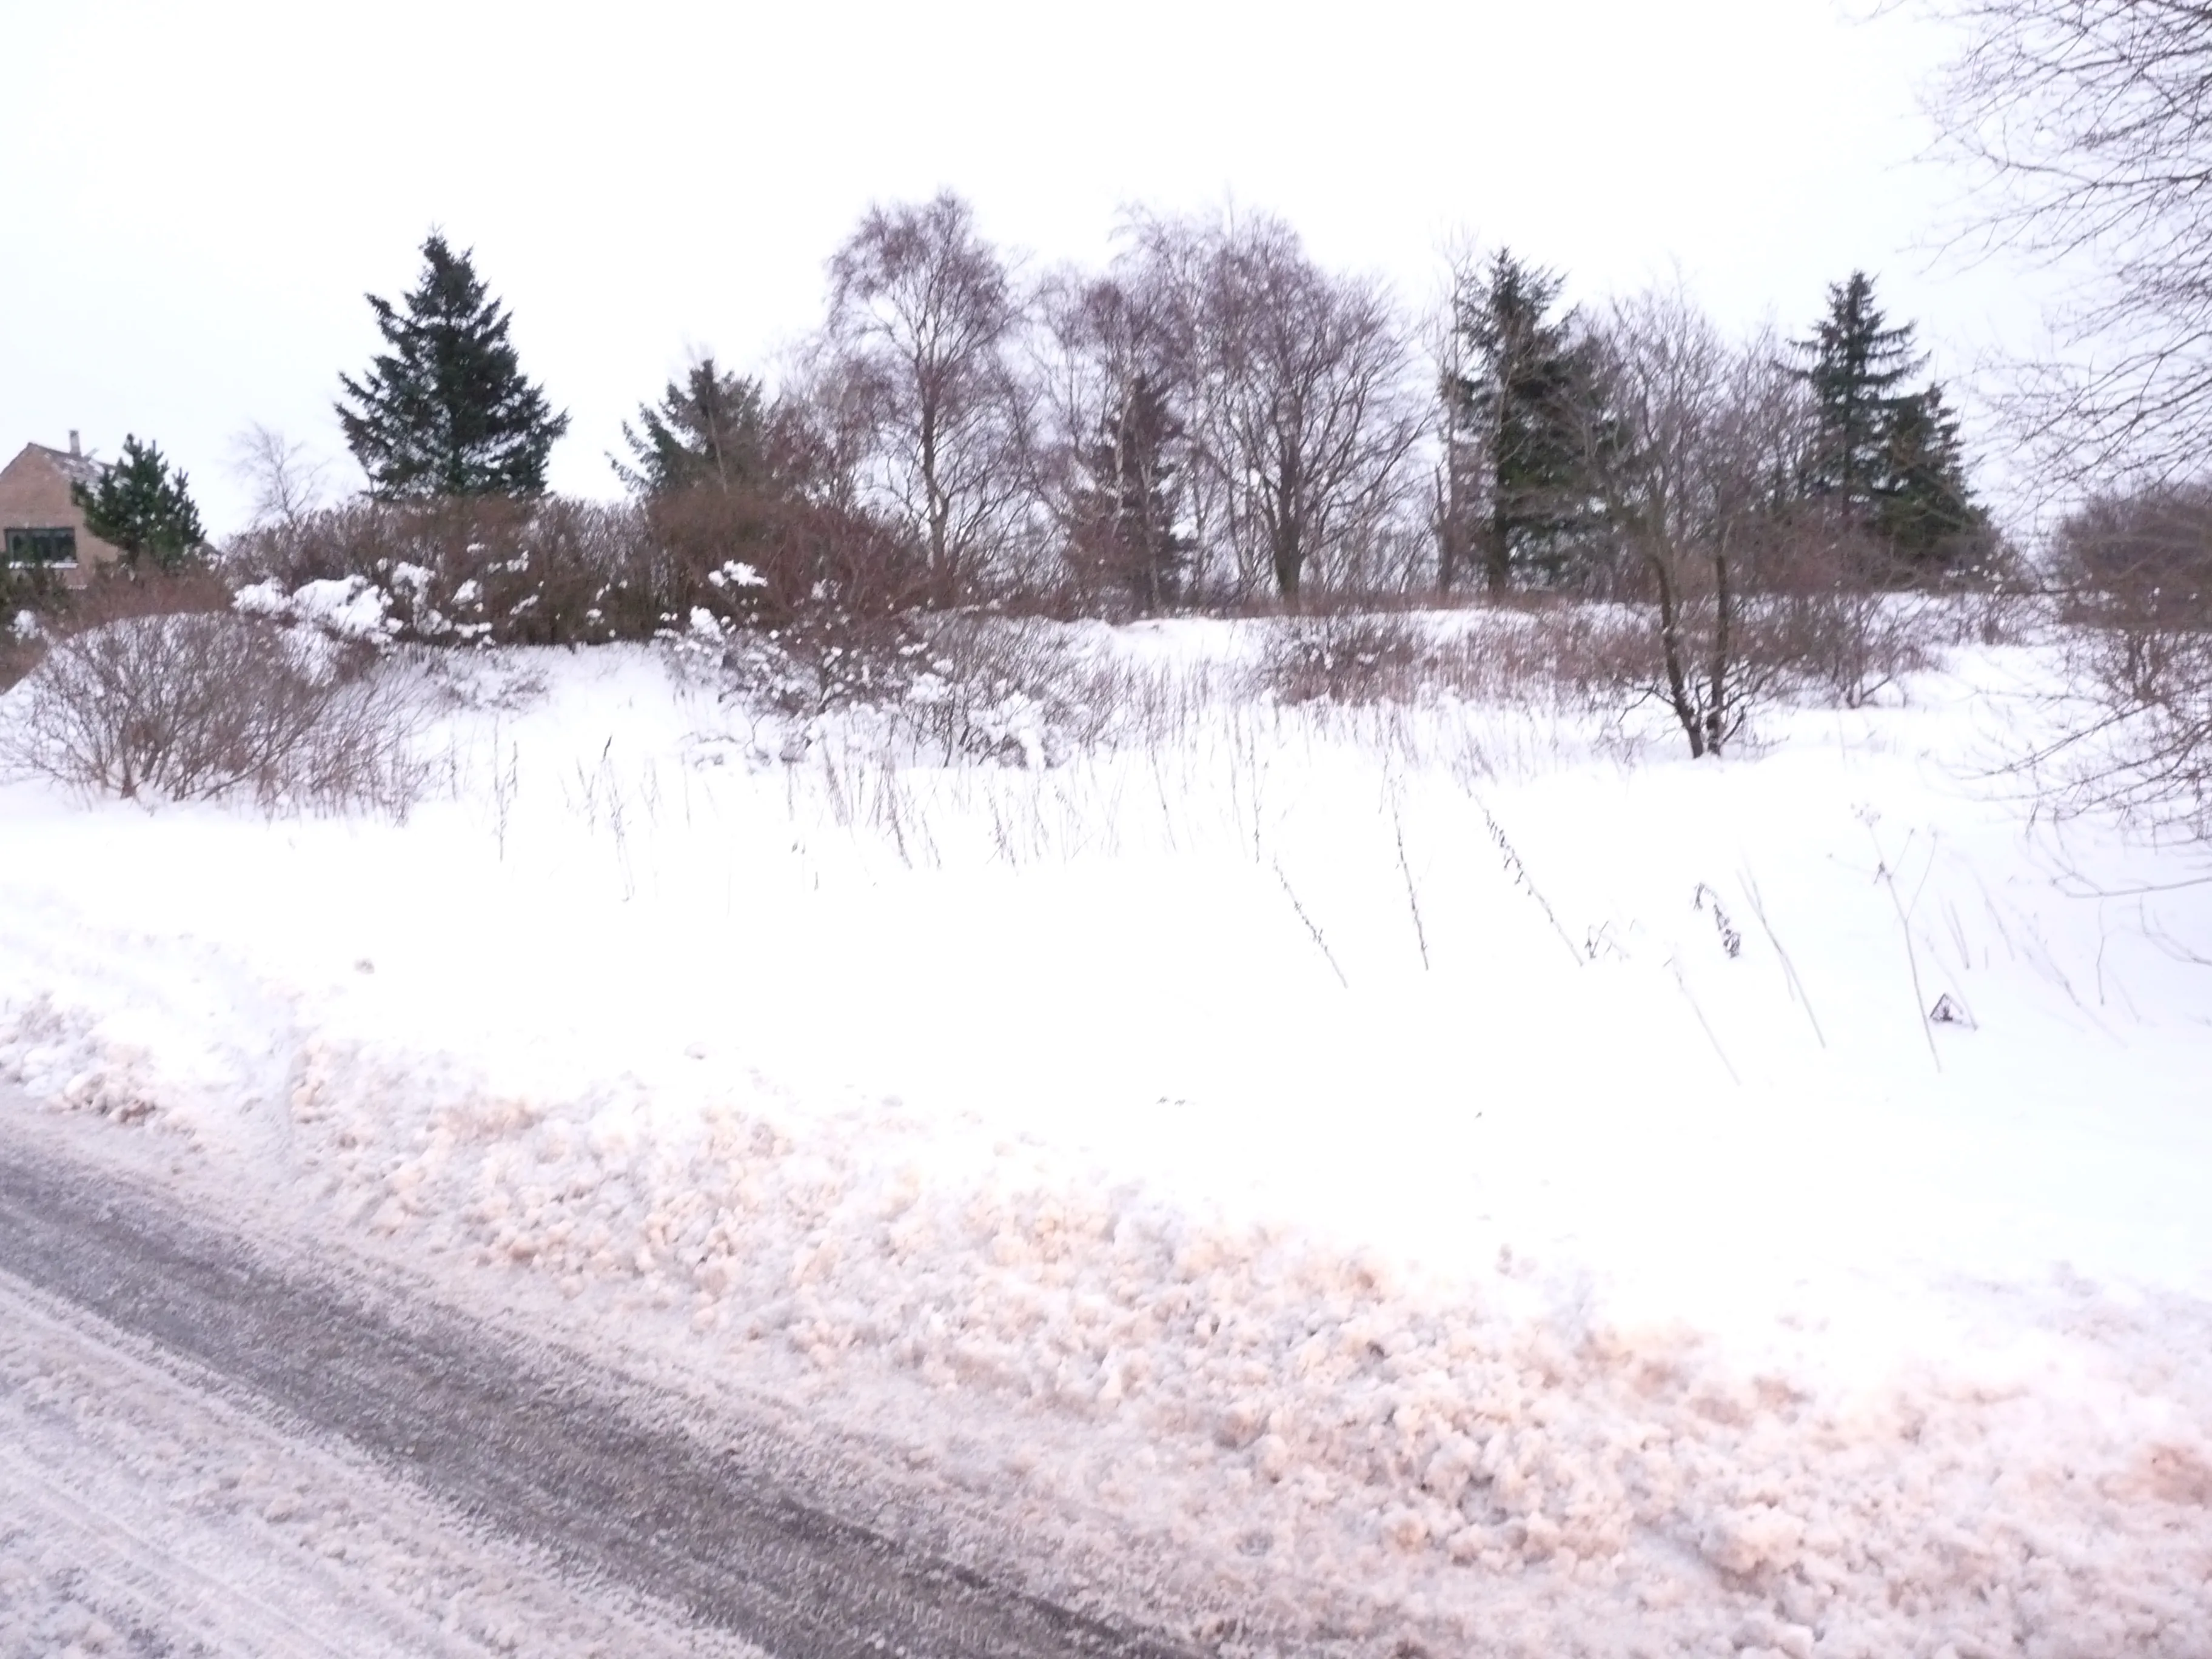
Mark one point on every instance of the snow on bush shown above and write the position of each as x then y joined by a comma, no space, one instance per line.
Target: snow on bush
348,608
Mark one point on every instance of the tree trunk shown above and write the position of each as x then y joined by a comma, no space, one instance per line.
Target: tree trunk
1717,677
1670,641
1290,561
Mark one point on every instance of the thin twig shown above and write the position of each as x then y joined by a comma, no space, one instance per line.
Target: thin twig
1406,869
1519,873
1683,986
1797,991
1327,953
1883,874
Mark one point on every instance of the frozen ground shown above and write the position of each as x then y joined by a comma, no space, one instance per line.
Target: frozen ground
1451,1171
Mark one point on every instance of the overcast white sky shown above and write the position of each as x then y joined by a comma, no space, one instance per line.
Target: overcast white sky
199,196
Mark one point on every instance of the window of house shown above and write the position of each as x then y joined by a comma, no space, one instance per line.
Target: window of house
56,546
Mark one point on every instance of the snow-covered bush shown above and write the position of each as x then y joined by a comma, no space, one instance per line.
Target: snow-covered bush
1020,691
560,572
1350,658
350,608
199,705
459,572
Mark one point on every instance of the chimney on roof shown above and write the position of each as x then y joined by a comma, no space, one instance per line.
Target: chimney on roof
74,450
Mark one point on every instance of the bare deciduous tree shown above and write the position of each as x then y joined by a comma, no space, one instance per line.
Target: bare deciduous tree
1690,440
2089,122
288,481
1297,386
922,314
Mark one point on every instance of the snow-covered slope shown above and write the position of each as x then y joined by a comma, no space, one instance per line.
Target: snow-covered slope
1451,1166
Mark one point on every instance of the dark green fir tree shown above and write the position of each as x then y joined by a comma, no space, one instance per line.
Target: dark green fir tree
1526,406
446,411
1856,364
710,430
143,508
1926,510
1889,457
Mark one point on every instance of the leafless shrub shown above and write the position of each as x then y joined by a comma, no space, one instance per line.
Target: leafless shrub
197,705
1573,653
2143,746
1018,690
2134,575
1837,645
1844,644
2137,576
487,569
1542,652
113,594
2140,560
1350,658
821,660
776,558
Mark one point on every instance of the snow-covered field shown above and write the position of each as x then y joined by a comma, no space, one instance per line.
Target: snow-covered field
1451,1169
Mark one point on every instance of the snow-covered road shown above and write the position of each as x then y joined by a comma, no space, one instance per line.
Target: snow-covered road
205,1451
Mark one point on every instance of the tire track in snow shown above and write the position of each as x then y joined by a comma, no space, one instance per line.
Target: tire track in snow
530,1443
142,1512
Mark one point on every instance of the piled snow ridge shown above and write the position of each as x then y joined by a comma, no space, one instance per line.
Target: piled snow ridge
1443,1444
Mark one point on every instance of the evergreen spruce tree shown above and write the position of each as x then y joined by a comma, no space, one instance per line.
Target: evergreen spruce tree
1528,406
446,412
1856,364
142,509
1124,507
1925,510
1888,456
710,430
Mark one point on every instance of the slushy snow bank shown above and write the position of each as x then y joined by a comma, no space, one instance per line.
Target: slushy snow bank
1445,1179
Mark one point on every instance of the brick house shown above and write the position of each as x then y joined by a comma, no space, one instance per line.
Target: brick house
40,523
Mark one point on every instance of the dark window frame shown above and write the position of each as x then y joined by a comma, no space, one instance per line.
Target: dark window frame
51,546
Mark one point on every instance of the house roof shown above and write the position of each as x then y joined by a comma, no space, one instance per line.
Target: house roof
77,469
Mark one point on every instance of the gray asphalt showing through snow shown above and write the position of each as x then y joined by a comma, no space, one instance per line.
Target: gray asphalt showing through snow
536,1444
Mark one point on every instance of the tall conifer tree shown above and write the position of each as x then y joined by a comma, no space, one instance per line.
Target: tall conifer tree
1857,363
446,411
1527,404
1890,457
